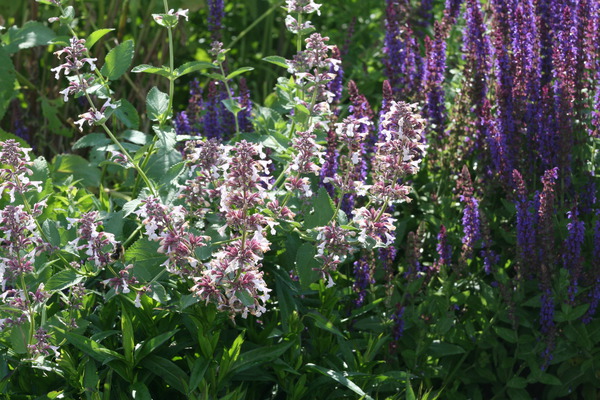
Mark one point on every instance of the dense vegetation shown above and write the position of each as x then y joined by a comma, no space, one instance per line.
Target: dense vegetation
268,199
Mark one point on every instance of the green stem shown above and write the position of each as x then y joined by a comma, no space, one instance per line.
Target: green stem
252,25
230,95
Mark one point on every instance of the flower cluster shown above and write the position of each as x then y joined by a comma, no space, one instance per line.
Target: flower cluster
398,154
121,283
75,58
300,7
307,153
333,246
15,170
376,226
98,246
168,226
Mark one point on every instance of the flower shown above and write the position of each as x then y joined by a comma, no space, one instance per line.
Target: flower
94,116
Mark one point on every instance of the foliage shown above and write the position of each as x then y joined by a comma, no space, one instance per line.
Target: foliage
286,229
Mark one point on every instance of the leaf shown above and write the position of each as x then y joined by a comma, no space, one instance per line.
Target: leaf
92,140
167,371
135,137
70,165
8,79
157,103
128,339
131,206
139,391
340,378
31,34
507,334
238,71
323,210
146,259
324,323
262,355
118,60
50,111
306,265
90,347
62,280
95,36
150,345
517,382
150,69
127,114
193,66
440,349
232,105
277,60
19,337
198,371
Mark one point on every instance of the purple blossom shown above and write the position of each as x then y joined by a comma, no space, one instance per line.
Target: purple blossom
363,277
433,81
94,116
330,163
443,249
121,283
244,116
526,225
308,155
471,219
15,170
98,246
216,13
335,86
182,124
571,255
42,346
74,58
397,319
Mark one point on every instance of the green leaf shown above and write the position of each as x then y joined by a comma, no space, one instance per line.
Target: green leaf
232,105
90,347
127,114
92,140
262,355
441,349
198,371
167,371
150,345
306,265
70,165
157,103
193,66
324,323
139,391
341,379
50,110
131,206
136,137
237,72
8,79
517,382
19,337
507,334
95,36
410,393
146,259
62,280
128,339
277,60
323,210
150,69
31,34
118,60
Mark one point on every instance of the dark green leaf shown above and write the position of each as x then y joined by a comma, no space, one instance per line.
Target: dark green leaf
306,265
323,210
198,371
92,140
341,379
146,259
167,371
19,338
128,339
441,349
90,347
139,391
70,165
127,114
150,345
262,355
118,60
135,137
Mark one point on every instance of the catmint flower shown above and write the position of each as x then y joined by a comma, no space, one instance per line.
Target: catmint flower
15,168
76,85
378,226
171,18
42,345
471,219
572,258
216,12
433,81
332,249
398,154
303,7
98,246
168,226
94,116
307,151
121,283
443,249
74,58
397,319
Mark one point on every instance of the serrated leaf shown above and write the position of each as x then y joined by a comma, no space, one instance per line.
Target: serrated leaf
277,60
127,114
31,34
8,79
62,280
70,165
323,210
238,71
341,379
118,60
306,265
193,66
131,206
146,259
95,36
150,69
157,103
